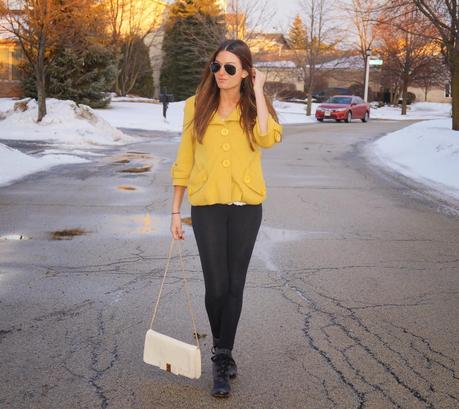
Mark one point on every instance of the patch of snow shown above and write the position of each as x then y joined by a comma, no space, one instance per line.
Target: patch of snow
427,151
65,124
15,164
417,110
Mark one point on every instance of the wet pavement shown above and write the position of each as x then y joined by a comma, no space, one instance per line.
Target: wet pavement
351,299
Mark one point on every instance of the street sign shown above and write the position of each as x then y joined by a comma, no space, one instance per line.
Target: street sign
376,62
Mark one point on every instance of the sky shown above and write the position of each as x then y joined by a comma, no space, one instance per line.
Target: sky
285,12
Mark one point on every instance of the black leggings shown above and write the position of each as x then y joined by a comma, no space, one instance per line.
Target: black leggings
225,235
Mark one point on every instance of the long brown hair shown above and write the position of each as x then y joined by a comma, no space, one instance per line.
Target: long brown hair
208,94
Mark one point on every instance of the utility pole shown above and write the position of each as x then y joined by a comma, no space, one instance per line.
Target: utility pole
367,73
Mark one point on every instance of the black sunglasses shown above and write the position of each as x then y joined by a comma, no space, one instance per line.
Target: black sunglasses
229,68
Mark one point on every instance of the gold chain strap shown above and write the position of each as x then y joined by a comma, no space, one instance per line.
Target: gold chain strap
186,289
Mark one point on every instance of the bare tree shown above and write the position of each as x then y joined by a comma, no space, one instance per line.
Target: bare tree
433,75
363,14
406,44
244,17
33,25
444,15
131,21
320,40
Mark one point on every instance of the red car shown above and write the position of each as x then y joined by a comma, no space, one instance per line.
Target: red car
343,107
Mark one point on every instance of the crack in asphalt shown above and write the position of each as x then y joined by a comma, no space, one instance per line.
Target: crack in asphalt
361,342
98,368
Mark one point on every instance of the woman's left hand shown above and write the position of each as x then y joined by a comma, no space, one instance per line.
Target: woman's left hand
258,78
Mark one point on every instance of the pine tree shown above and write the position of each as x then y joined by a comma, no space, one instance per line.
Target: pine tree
194,29
82,66
297,34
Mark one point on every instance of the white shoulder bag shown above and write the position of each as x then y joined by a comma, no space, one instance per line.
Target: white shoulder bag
168,353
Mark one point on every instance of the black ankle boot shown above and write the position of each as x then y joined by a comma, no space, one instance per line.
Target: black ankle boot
232,367
220,360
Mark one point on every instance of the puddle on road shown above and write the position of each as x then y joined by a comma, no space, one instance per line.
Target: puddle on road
141,169
203,335
269,237
140,223
186,220
14,237
147,224
126,187
141,162
67,234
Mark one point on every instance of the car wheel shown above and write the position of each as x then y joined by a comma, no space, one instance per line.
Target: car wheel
366,117
348,117
320,119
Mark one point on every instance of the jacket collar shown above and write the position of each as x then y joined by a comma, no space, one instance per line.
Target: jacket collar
233,116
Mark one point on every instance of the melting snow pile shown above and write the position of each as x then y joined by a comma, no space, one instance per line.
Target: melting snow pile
65,124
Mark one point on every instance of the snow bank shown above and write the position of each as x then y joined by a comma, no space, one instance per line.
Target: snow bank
149,116
65,124
427,151
67,128
418,110
15,164
141,115
294,113
6,104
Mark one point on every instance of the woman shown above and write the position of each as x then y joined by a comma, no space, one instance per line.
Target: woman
219,161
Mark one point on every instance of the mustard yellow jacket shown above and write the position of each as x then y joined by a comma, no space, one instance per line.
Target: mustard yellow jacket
223,168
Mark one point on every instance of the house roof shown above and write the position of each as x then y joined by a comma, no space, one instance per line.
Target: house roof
353,62
275,64
275,37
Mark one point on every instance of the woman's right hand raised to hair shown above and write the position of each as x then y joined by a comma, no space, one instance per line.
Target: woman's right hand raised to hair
176,227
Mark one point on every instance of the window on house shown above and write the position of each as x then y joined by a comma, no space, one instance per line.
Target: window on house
17,57
4,63
9,60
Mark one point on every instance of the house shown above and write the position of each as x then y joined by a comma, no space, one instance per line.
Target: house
10,56
348,72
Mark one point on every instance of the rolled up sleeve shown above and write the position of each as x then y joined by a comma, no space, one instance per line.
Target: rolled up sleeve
181,168
268,139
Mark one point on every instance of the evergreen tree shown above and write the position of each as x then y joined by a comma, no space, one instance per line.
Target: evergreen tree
297,34
193,30
82,66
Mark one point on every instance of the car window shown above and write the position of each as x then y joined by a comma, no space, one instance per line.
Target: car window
340,100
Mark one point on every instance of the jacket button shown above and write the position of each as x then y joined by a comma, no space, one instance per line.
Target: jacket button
226,146
247,179
225,131
226,163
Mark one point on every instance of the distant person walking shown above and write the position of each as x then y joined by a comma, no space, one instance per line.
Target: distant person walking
225,124
165,99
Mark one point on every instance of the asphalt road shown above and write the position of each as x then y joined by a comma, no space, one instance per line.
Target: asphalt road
351,299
